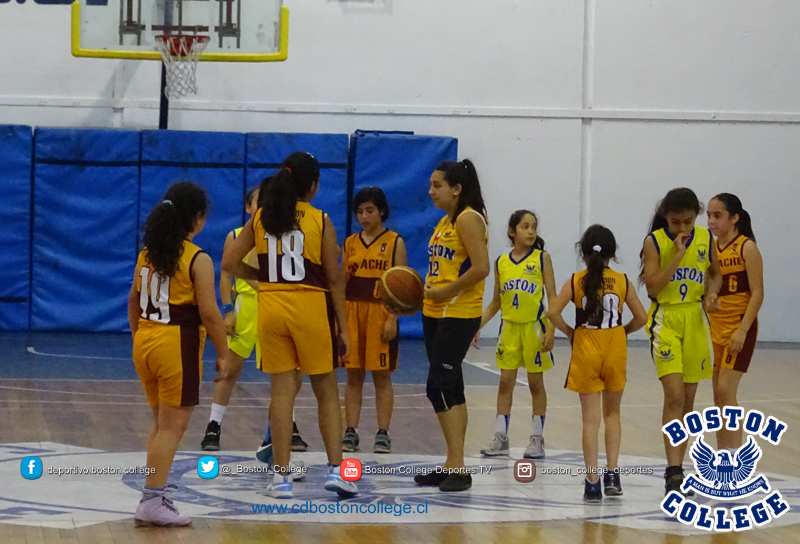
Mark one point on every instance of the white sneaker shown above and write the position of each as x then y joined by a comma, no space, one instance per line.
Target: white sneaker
335,483
535,449
281,486
498,446
159,511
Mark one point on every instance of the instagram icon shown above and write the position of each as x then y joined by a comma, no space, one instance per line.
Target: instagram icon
524,471
350,470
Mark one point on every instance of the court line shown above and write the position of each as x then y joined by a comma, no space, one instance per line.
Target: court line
33,351
142,396
493,369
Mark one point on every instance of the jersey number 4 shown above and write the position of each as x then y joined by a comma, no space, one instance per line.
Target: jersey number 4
154,296
292,263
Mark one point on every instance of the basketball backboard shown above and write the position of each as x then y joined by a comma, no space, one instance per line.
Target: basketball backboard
239,30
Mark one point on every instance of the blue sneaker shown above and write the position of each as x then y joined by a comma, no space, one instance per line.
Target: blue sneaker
281,486
335,483
264,454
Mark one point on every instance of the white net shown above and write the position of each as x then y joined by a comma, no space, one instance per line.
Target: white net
180,54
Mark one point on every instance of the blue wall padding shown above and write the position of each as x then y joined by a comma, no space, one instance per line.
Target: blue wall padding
402,165
213,160
265,153
84,228
16,147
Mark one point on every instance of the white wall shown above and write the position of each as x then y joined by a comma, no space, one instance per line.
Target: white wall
584,111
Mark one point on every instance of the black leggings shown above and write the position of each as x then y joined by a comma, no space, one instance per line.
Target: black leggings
447,341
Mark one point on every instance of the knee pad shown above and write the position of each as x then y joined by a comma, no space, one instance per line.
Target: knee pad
443,399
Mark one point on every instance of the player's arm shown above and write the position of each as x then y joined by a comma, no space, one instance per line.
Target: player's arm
252,260
400,259
472,232
713,281
755,277
492,309
556,306
203,277
225,290
655,277
133,305
336,283
636,308
550,291
234,253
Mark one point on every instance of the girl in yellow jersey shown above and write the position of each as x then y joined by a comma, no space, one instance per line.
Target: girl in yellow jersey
372,329
735,326
681,273
300,303
521,278
599,351
171,306
457,267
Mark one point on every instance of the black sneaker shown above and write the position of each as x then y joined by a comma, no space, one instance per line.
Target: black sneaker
211,439
592,492
456,482
298,444
611,484
383,444
350,440
431,478
673,479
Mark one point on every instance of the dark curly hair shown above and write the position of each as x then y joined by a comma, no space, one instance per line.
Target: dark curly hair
170,222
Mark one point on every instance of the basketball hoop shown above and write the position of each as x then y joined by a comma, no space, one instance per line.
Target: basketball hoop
180,54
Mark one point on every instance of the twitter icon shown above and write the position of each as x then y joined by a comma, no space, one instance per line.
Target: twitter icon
208,467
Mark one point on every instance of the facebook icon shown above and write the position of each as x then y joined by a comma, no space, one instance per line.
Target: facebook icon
31,468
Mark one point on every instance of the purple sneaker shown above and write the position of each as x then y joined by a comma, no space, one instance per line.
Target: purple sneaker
161,512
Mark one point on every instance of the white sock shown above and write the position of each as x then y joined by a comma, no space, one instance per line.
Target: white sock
733,452
217,411
501,423
293,418
538,425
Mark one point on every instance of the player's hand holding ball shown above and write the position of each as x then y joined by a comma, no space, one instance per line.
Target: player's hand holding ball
400,289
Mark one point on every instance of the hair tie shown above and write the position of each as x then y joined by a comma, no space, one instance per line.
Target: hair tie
287,169
167,202
597,248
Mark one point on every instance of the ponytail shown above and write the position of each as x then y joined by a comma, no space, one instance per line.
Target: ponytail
170,222
597,245
681,199
464,173
279,194
734,207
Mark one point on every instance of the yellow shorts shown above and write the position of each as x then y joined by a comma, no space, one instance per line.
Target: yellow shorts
680,341
246,336
599,360
296,330
520,344
168,359
365,322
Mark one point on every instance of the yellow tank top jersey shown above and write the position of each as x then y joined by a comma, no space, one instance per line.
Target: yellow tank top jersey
614,293
734,296
448,261
292,261
521,287
366,263
240,286
688,282
172,300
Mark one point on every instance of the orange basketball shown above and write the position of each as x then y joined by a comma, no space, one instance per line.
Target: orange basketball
400,289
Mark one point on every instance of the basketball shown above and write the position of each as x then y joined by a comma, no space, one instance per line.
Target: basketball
400,289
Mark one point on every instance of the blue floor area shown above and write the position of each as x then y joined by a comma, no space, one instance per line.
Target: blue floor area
107,356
